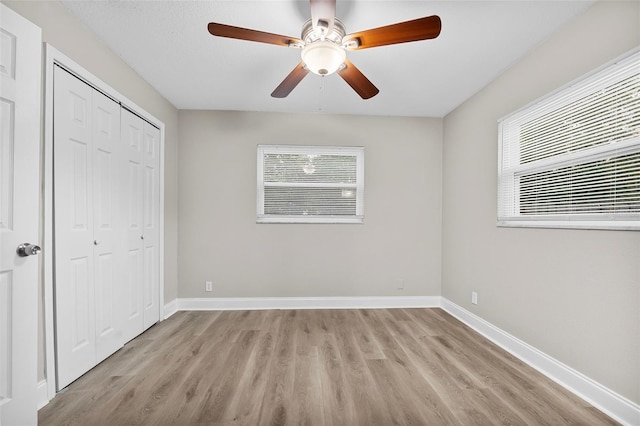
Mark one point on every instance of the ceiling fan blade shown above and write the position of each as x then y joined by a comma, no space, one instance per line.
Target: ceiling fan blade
323,13
402,32
291,81
357,81
223,30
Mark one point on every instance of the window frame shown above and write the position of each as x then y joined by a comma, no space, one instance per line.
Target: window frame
356,151
508,195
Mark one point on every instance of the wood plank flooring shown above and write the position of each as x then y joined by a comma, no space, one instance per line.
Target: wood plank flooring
315,367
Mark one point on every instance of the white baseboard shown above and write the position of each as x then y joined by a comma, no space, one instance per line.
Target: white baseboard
256,303
170,308
43,397
607,401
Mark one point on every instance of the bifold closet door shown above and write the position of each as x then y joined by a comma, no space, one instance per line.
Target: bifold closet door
142,144
151,223
88,229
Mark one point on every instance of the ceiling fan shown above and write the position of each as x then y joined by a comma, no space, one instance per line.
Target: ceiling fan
324,45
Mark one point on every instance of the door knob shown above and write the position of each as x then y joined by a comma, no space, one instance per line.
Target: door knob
26,249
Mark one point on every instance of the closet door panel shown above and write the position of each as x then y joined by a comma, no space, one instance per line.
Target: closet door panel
73,228
132,133
151,224
108,225
133,301
108,334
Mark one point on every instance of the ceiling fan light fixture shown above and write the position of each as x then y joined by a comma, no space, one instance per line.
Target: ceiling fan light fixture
323,57
324,44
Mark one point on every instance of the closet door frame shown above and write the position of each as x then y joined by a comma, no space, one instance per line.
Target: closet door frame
53,58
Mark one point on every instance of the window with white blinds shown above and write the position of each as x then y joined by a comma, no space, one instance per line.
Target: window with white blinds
572,159
310,184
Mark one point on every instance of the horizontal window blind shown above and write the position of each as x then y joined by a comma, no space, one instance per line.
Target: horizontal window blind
608,186
609,115
310,184
573,158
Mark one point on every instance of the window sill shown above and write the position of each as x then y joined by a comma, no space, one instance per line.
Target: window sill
627,225
306,219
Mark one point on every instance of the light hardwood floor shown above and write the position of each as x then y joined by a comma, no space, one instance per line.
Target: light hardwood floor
315,367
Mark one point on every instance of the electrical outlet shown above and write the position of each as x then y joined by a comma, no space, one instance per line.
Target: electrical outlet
208,286
474,298
400,284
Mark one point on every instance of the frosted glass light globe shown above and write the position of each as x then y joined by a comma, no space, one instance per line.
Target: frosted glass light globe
323,57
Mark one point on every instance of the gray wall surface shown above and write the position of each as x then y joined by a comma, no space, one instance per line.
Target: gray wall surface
220,241
573,294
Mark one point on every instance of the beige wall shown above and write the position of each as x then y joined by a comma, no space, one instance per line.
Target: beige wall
65,34
220,241
573,294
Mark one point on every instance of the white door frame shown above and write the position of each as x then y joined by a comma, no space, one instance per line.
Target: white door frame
54,57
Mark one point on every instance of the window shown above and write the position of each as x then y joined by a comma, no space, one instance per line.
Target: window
310,184
572,159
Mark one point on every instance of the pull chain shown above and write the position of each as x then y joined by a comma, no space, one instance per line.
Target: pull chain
321,97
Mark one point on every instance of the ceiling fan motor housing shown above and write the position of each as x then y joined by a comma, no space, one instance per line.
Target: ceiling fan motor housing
309,35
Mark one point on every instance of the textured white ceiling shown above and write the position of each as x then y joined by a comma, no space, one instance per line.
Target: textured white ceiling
168,44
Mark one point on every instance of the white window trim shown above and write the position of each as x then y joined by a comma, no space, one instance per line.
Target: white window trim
358,152
507,177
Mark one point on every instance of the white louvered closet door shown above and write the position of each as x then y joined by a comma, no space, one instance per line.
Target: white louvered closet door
87,226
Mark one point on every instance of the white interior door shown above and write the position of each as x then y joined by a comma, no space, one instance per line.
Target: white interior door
133,139
142,142
20,99
151,224
88,226
108,232
73,228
